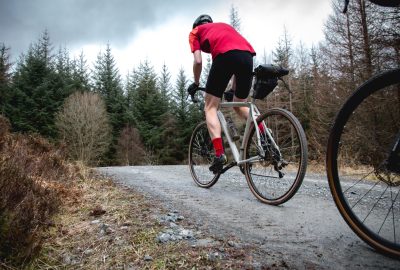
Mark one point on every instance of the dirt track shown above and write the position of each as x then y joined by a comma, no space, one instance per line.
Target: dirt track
306,232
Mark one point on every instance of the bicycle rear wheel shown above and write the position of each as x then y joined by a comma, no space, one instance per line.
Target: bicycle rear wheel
201,155
277,176
365,191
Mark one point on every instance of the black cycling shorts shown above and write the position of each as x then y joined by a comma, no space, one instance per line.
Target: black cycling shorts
238,63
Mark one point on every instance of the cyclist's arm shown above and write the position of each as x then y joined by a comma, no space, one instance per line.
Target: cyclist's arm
197,65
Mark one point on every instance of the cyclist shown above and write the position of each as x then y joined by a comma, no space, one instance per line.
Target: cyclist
232,55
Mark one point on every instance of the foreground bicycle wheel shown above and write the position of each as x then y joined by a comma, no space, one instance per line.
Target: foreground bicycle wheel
364,190
201,155
275,178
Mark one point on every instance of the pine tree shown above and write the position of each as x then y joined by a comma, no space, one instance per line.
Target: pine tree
283,52
234,18
181,105
148,108
302,82
187,115
62,80
80,73
107,83
5,79
132,83
171,150
283,56
164,84
37,93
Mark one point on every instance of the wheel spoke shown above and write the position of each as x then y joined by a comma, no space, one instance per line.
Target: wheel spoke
360,142
200,157
267,183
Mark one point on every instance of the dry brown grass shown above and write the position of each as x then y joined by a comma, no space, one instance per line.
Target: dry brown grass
66,217
33,179
316,167
76,241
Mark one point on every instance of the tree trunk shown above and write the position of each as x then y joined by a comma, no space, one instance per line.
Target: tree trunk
366,40
351,53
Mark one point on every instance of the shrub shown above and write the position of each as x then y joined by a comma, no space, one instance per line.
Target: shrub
130,149
84,127
32,177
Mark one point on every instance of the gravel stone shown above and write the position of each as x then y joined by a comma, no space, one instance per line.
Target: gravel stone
147,258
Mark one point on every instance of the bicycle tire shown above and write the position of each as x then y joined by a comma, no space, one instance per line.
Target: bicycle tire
201,155
380,97
261,177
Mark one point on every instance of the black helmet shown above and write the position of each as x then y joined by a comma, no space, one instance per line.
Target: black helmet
202,19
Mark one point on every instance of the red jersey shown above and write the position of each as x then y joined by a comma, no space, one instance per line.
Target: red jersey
217,38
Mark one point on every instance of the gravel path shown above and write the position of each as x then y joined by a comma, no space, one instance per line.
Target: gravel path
306,232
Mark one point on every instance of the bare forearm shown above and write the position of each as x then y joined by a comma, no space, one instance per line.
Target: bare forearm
197,65
197,71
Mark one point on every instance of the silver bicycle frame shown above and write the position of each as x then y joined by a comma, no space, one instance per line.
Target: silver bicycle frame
254,113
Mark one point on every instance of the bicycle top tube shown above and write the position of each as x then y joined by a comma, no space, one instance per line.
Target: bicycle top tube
230,104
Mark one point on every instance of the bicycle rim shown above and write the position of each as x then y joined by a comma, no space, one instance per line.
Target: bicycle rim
366,194
263,179
201,155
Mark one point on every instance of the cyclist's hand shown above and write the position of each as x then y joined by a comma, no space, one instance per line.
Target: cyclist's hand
192,88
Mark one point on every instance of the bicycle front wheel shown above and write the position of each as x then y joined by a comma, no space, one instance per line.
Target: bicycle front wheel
201,155
275,177
365,191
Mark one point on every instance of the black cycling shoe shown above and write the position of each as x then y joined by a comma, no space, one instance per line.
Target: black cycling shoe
218,164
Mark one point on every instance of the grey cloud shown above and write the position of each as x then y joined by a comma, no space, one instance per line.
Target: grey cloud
76,22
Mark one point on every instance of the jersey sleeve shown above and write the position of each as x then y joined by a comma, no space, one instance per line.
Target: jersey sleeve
194,40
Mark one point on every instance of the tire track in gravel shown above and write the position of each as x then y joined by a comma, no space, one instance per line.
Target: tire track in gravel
306,232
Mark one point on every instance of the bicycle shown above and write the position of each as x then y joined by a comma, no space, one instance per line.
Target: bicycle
363,161
274,161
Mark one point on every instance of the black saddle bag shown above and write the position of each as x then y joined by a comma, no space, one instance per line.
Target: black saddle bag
265,81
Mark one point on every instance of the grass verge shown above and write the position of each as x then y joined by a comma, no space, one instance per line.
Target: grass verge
106,226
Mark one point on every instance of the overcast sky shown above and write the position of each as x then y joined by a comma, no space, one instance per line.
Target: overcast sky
156,30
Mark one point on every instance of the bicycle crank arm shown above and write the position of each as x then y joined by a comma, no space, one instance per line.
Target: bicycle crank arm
227,167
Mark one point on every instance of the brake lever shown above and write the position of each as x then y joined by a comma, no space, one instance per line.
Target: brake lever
192,97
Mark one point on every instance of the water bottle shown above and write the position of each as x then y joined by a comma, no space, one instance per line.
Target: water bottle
232,129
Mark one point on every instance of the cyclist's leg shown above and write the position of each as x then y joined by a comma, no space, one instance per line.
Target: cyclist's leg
243,75
210,109
218,79
214,128
243,112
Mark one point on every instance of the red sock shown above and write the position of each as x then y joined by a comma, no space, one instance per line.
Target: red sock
261,127
218,147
